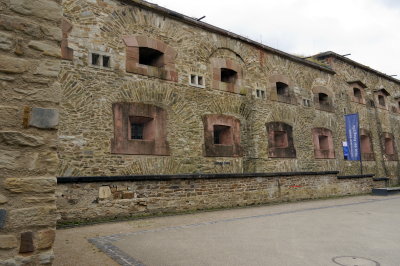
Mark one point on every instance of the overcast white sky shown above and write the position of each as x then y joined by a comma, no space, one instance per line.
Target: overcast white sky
368,29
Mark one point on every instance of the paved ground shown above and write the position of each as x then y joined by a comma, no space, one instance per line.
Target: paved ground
348,231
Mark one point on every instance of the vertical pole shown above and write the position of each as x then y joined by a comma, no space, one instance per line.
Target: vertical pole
359,143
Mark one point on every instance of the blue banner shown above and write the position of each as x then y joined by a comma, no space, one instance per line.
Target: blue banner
353,137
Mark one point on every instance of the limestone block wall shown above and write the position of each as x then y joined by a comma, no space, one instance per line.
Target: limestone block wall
85,200
30,38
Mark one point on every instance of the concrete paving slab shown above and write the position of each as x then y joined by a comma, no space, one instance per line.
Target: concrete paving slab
349,231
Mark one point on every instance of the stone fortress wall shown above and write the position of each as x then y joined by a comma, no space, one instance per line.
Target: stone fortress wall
119,30
144,92
209,104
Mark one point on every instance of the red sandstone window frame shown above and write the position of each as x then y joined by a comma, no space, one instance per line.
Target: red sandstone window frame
382,95
360,87
281,83
153,118
164,69
327,105
229,146
325,150
280,140
217,66
390,153
367,151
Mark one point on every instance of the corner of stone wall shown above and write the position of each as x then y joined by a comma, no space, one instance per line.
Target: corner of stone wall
30,58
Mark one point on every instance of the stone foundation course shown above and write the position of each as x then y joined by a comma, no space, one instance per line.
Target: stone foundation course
98,198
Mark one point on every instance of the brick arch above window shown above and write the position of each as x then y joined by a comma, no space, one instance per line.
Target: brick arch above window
323,99
150,57
227,75
280,88
323,143
280,140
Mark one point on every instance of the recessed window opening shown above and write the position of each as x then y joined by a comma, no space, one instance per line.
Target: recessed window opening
137,130
200,80
365,144
323,99
222,135
306,102
193,79
140,128
95,59
150,57
282,89
398,105
357,93
381,100
106,61
389,149
228,75
260,94
280,139
323,142
196,80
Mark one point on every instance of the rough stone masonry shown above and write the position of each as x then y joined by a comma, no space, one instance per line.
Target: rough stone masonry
30,59
95,89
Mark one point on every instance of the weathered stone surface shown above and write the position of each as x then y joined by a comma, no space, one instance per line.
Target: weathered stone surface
54,33
7,116
13,65
20,139
6,41
9,159
45,238
3,199
49,68
31,184
26,244
8,242
38,200
9,262
20,24
46,258
36,216
3,218
45,9
47,49
104,192
44,118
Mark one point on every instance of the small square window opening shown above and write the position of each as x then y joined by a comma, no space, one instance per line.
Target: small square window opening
95,59
222,135
106,61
